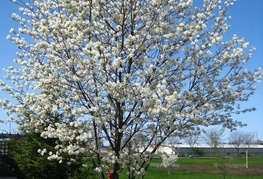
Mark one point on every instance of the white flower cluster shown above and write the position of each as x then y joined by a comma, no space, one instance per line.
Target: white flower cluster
168,160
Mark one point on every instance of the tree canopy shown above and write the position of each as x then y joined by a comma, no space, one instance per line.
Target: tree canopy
125,73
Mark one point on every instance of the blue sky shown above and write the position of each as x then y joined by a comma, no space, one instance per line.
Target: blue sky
247,21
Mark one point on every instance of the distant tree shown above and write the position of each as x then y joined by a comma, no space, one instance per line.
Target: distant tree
237,139
192,138
213,137
260,142
106,72
249,138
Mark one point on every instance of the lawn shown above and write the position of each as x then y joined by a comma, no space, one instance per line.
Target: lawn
199,168
184,161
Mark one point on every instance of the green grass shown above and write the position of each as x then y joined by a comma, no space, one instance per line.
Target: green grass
163,174
184,161
257,161
155,173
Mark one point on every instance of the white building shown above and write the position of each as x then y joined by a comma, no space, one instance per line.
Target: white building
205,150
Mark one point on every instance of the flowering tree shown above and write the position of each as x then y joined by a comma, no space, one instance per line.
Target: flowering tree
168,161
124,73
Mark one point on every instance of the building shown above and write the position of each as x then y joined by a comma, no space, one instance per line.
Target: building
228,150
4,138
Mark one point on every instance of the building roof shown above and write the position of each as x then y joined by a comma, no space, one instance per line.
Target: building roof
220,146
